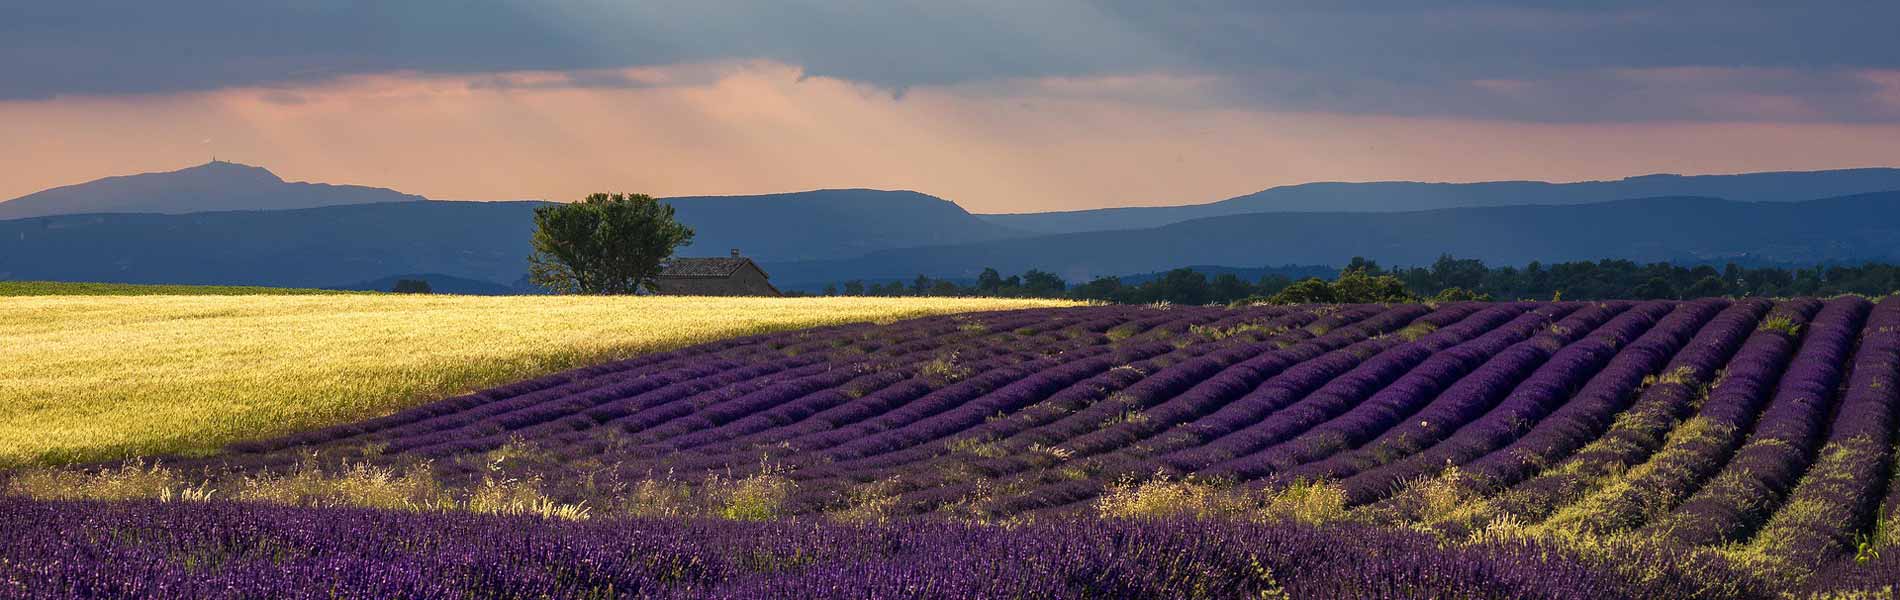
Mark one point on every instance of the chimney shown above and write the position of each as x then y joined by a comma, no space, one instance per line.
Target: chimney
735,253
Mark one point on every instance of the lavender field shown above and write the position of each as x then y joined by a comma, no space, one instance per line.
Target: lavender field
222,550
1710,448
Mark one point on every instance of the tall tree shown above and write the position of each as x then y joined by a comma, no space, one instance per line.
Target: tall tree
605,244
1041,284
1311,290
1361,286
1228,287
1656,288
1101,288
1183,286
989,281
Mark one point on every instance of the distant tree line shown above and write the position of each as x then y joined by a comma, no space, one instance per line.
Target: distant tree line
1180,286
1607,279
1446,279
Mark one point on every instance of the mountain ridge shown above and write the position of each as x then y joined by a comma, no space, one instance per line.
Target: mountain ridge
1398,196
213,186
809,225
1856,227
829,223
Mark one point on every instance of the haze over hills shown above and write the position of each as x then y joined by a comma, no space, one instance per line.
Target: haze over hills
1389,196
217,185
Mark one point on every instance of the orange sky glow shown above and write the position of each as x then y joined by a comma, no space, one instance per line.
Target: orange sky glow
758,127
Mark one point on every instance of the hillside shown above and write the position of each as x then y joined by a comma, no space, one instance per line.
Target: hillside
352,246
314,247
212,186
1861,227
822,224
1391,196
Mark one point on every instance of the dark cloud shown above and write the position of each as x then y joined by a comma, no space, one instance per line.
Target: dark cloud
1534,60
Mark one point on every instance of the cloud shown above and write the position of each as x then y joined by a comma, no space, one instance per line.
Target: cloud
1024,144
281,97
604,79
1706,94
1542,61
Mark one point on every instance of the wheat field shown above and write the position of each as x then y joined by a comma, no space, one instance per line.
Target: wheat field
96,378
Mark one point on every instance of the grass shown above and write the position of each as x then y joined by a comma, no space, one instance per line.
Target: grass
62,288
1311,502
357,485
1634,497
99,378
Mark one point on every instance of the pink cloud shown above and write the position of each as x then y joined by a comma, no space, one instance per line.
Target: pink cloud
751,127
1889,84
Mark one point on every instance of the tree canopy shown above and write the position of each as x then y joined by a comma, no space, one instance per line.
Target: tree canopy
605,244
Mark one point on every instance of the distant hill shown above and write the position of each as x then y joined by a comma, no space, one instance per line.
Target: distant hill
312,247
360,245
1392,196
822,224
212,186
813,225
1851,228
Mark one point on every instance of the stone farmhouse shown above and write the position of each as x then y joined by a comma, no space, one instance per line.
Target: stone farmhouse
720,276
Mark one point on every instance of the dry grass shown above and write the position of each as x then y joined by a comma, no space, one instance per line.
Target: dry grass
100,378
1311,502
357,485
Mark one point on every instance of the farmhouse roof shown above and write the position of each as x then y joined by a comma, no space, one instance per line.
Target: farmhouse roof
705,267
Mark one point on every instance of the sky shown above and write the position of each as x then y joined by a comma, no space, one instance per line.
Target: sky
1000,106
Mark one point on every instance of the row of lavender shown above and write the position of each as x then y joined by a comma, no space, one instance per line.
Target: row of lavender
212,550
